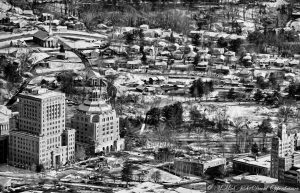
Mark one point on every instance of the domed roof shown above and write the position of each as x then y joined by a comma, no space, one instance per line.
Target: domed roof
94,104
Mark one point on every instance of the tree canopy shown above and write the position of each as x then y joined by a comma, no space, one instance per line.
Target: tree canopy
126,173
200,88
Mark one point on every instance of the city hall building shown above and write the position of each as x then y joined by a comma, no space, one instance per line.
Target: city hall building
97,125
41,136
7,118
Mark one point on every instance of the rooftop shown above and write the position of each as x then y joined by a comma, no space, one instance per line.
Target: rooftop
258,178
42,35
202,159
40,93
263,161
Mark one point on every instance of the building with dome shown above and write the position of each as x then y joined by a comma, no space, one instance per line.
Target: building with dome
7,118
97,125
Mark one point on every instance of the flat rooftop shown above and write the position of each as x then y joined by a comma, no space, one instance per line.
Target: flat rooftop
202,160
40,93
263,161
257,178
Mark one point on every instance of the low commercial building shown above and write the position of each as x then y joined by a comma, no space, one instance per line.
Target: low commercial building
253,165
257,178
196,166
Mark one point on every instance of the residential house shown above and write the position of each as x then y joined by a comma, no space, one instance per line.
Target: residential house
134,64
46,16
222,69
109,63
201,66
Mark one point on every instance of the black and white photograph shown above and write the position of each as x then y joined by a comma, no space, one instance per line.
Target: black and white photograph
150,96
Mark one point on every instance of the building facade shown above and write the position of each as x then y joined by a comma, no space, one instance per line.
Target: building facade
196,166
285,159
253,165
3,148
97,125
41,136
45,39
6,122
281,151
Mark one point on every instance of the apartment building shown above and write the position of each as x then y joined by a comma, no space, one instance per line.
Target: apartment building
41,136
97,125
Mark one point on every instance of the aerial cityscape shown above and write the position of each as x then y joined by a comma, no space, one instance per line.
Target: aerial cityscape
140,96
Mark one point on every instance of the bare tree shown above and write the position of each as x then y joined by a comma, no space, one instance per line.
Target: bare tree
156,176
238,124
285,113
221,120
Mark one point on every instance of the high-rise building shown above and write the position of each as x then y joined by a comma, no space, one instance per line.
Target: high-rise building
282,149
41,136
97,125
285,159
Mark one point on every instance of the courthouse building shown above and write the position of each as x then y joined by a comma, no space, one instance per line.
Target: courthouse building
41,136
97,125
6,122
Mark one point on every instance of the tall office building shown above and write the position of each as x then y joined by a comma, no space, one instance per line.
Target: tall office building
41,136
282,148
285,159
97,125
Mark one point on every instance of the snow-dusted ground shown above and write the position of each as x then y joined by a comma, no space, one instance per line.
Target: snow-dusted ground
156,188
56,66
147,187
